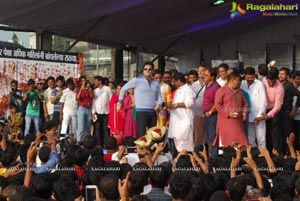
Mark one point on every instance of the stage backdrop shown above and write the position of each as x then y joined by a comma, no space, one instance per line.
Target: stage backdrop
23,64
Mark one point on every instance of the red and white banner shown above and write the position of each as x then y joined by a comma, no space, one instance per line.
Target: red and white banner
23,64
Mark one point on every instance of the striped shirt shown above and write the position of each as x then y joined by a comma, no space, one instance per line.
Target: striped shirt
56,107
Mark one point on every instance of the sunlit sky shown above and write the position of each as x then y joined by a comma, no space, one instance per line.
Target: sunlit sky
7,35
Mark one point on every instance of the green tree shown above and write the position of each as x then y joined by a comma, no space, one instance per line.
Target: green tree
60,43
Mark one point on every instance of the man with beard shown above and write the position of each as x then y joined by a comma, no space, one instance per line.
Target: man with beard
258,100
274,92
287,111
182,119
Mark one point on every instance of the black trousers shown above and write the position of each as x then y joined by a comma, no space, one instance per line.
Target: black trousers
145,120
101,131
56,117
278,129
273,136
286,127
57,121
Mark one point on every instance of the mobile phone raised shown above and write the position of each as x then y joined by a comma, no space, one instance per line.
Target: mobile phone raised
91,193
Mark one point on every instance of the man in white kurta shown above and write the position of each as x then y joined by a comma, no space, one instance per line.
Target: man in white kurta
182,118
69,108
258,100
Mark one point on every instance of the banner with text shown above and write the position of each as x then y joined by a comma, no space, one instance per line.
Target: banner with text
23,64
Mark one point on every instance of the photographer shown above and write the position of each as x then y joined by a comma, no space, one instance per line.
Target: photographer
33,109
47,154
16,97
127,152
84,96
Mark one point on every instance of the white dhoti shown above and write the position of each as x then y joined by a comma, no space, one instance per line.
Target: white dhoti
257,132
181,127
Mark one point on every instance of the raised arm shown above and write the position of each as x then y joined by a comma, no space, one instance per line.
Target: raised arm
269,160
256,173
31,154
128,85
290,142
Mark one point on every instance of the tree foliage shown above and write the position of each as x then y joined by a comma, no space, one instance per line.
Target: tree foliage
60,43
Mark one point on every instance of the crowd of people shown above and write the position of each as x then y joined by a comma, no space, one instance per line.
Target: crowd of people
223,135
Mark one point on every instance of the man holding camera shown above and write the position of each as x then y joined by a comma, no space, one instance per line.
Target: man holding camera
33,109
16,97
84,96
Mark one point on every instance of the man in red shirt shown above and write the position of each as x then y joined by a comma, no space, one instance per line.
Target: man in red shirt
84,96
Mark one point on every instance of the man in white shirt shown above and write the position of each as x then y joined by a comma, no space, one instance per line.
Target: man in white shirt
69,108
222,70
182,118
47,105
258,100
100,109
198,88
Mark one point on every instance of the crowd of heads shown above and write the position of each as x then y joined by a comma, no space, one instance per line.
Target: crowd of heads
193,176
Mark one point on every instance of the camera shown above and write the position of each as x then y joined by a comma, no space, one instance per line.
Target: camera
65,140
130,150
20,136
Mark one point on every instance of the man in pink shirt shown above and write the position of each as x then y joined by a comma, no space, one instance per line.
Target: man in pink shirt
208,107
275,93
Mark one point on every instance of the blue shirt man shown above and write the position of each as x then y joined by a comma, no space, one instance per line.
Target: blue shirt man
147,98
